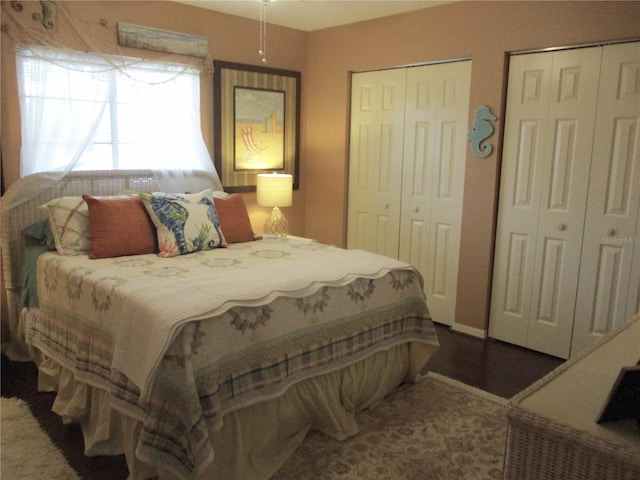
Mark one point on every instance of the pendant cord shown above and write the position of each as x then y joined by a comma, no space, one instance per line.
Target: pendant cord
263,30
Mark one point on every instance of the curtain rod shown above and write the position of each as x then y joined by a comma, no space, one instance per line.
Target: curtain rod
412,65
571,47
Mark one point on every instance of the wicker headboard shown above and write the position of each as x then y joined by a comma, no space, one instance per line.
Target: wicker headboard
18,214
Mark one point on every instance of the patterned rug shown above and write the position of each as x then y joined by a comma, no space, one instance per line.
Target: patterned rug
437,429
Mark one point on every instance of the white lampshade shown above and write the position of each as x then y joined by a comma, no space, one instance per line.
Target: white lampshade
274,190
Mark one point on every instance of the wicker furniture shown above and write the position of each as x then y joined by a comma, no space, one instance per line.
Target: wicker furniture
553,433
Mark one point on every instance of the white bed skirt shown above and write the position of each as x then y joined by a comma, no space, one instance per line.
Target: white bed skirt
254,442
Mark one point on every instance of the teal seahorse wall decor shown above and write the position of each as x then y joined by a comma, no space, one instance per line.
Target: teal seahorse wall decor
481,130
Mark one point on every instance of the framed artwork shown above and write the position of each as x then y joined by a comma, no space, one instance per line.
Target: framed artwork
623,401
256,123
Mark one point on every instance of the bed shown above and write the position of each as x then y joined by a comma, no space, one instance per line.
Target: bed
214,363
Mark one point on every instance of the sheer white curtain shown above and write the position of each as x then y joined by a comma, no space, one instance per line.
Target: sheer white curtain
82,111
62,98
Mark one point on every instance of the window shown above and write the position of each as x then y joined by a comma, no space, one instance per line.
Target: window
94,112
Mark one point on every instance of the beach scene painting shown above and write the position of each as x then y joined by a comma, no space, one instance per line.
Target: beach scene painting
259,120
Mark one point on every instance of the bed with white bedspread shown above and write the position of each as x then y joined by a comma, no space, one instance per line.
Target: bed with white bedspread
216,363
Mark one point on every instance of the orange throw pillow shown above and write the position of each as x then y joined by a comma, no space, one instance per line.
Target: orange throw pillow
234,219
120,226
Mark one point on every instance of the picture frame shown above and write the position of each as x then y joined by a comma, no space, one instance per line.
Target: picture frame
623,401
256,123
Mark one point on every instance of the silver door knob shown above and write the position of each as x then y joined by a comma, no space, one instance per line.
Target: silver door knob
416,209
610,232
562,227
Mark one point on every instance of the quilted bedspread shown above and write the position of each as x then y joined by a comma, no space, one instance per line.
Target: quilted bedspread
179,342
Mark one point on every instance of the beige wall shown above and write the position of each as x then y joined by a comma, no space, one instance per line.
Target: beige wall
482,31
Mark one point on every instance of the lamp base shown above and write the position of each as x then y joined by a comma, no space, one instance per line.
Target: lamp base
276,223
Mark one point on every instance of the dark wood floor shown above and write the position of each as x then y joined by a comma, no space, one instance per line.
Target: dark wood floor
490,365
497,367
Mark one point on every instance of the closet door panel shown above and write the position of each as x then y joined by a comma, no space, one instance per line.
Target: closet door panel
433,178
413,242
454,82
439,283
406,171
421,116
565,185
416,204
376,141
361,217
548,133
528,97
517,264
608,288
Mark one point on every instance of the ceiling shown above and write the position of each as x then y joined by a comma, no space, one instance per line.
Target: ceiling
309,15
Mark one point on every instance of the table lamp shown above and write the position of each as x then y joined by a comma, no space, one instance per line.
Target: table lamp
275,190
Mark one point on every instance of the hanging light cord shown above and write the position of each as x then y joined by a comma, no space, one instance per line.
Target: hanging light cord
263,30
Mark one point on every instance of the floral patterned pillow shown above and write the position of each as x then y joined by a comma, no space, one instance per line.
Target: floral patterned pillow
185,223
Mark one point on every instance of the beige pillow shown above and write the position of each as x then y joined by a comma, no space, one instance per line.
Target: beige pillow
69,221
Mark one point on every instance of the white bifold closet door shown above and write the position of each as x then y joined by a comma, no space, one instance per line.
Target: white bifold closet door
435,147
570,179
406,171
609,282
375,160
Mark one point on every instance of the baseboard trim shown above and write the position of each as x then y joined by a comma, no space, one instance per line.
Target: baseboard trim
467,330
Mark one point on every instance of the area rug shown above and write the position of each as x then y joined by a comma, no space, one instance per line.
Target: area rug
26,453
437,429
